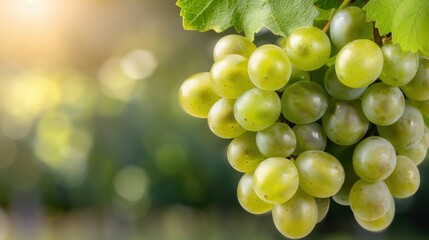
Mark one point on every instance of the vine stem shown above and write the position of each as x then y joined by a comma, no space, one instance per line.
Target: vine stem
343,5
376,35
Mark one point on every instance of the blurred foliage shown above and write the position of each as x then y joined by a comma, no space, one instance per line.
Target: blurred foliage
94,145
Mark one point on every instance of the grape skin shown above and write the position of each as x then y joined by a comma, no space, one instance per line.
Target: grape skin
233,44
278,140
243,154
276,180
323,205
405,179
247,197
197,95
418,87
309,137
338,90
381,223
221,119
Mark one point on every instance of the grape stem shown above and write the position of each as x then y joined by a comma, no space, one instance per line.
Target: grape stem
376,35
328,23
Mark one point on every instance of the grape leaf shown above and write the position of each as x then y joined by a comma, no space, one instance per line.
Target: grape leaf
328,4
250,16
408,21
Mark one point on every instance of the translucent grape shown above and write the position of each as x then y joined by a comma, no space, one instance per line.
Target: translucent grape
304,102
276,180
369,201
269,67
405,132
418,87
399,67
338,90
243,154
309,137
229,76
297,217
197,96
322,208
233,44
374,159
308,48
320,174
221,119
405,179
359,63
381,223
383,104
423,106
278,140
342,196
417,152
349,24
344,122
257,109
247,197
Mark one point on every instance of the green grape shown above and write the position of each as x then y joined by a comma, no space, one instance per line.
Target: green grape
405,179
197,96
309,137
417,152
423,106
276,180
369,201
399,67
308,48
297,217
342,196
338,90
257,109
381,223
233,44
344,122
296,76
304,102
374,159
269,67
247,197
278,140
320,174
229,76
405,132
243,154
221,119
359,63
418,87
349,24
383,104
322,208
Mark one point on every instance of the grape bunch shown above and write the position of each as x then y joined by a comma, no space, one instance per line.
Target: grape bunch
305,133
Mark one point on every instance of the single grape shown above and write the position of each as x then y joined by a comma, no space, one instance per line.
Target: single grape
338,90
344,122
229,76
320,174
369,201
247,197
418,87
309,137
423,106
304,102
381,223
278,140
405,179
297,217
257,109
374,159
405,132
197,96
342,196
308,48
269,67
243,154
399,67
349,24
322,208
359,63
417,152
276,180
383,104
233,44
221,119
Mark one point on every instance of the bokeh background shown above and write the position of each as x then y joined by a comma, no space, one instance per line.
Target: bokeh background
93,143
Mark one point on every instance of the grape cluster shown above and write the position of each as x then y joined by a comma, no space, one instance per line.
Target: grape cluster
355,135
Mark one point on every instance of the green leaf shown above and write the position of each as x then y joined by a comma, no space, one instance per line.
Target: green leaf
250,16
408,21
328,4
